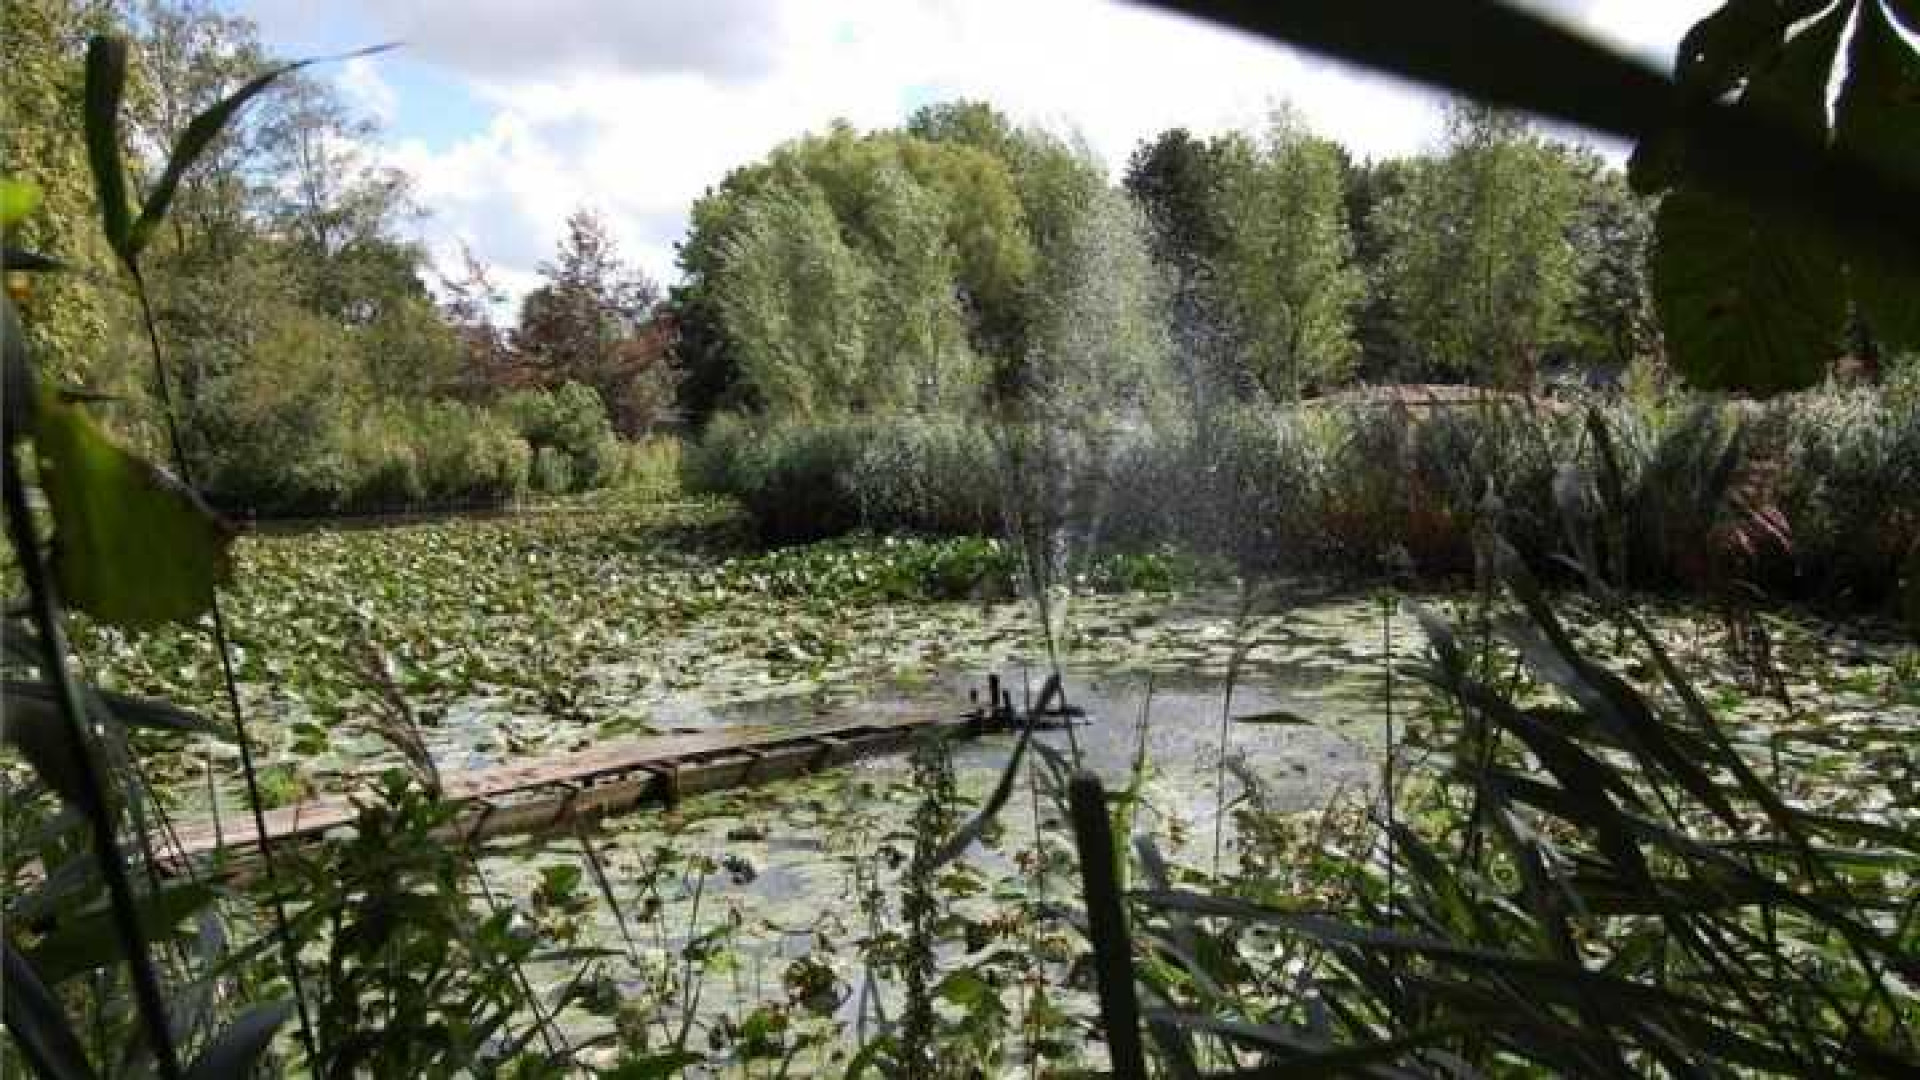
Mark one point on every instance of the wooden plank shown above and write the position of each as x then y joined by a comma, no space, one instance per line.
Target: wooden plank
587,784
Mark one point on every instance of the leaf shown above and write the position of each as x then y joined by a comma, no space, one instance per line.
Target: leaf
234,1053
18,199
1745,303
131,545
127,710
1107,924
965,990
12,258
39,1027
87,939
1275,718
659,1066
106,81
1310,1059
39,733
1876,118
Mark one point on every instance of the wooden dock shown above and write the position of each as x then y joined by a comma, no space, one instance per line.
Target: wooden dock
560,789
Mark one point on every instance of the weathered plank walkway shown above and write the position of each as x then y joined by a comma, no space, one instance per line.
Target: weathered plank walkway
556,790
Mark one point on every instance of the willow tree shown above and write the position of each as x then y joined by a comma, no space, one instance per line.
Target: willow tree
1479,269
1287,265
922,242
794,298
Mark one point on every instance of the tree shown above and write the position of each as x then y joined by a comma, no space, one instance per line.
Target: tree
1286,266
927,246
794,297
1369,185
576,326
1611,312
468,305
67,318
1479,269
1175,180
1099,344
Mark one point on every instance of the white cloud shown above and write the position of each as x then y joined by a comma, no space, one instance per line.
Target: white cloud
636,108
359,79
515,38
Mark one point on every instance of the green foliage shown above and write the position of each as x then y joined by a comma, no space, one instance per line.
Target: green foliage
1576,810
588,323
131,546
1804,499
407,949
859,273
806,481
66,318
1287,264
573,444
1479,269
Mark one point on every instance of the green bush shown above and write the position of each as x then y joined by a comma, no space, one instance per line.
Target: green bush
646,468
574,446
1843,473
552,472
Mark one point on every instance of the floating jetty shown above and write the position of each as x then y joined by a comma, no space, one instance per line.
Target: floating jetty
559,791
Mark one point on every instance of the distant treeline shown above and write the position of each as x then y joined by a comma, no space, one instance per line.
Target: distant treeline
313,368
912,269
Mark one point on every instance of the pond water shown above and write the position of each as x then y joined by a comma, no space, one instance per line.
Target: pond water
805,875
779,903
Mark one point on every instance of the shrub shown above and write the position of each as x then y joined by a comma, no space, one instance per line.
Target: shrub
573,441
1844,472
552,472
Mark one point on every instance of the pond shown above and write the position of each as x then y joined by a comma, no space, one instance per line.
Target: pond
754,921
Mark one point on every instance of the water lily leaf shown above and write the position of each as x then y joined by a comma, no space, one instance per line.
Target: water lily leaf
18,198
131,545
1746,303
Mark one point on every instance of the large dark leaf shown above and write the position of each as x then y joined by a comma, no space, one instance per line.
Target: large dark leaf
132,546
87,940
39,733
106,82
1751,297
125,709
1878,118
39,1027
1746,302
234,1053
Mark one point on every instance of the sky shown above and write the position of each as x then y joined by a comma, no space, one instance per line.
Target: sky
511,114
